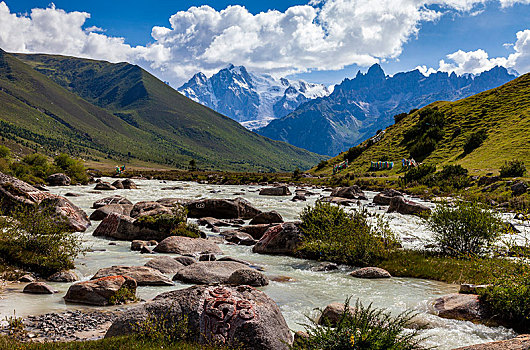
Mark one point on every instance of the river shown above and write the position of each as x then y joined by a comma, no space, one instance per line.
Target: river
298,298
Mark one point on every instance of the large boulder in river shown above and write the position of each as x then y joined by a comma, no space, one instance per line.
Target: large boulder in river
268,217
15,193
215,314
143,275
38,288
249,277
280,239
464,307
238,208
384,198
58,179
404,206
332,314
521,342
352,192
129,184
102,291
149,208
102,212
118,184
207,272
371,273
275,191
117,199
104,186
64,276
256,231
126,228
164,264
185,245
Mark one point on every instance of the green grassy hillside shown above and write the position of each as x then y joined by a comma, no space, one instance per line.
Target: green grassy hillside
101,110
502,114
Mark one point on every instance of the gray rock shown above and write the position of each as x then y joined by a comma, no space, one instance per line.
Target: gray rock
137,245
144,276
118,184
104,186
240,238
207,257
102,212
238,208
100,291
149,208
58,179
249,277
126,228
117,199
164,264
275,191
206,272
325,266
280,239
403,206
255,321
352,192
519,188
27,278
465,307
371,273
332,314
338,200
63,276
186,245
129,184
186,260
256,231
38,288
269,217
384,198
16,194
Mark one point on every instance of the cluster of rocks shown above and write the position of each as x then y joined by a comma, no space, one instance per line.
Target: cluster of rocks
67,326
127,184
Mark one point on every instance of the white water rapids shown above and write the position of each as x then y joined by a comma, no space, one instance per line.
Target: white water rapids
296,299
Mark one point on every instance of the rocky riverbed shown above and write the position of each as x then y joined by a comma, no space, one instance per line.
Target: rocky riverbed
297,286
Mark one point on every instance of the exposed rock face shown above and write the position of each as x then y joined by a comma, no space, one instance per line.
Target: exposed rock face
332,314
280,239
15,193
100,291
238,208
102,212
403,206
269,217
206,272
521,342
519,188
164,264
371,272
63,276
275,191
104,186
228,315
58,179
38,288
144,276
125,228
352,192
386,196
249,277
186,245
117,199
464,307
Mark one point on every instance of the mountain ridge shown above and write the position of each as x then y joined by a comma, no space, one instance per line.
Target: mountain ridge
131,114
358,107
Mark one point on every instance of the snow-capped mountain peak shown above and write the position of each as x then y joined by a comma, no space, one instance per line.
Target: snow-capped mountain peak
249,98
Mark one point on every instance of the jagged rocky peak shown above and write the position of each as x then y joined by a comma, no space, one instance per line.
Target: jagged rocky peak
250,98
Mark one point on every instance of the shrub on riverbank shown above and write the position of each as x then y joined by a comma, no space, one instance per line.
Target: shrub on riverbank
330,233
366,328
33,238
467,229
514,168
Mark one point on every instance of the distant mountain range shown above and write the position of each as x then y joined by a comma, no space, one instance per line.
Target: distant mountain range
358,107
501,115
251,99
100,110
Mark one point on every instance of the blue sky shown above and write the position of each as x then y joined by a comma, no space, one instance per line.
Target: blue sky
486,26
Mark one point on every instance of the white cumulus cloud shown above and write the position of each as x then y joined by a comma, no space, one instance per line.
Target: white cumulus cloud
324,34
